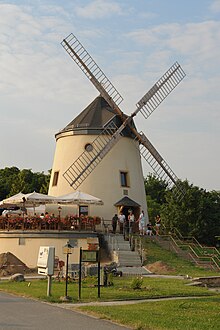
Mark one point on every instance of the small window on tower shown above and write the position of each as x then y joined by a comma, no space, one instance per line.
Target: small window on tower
55,178
124,179
88,147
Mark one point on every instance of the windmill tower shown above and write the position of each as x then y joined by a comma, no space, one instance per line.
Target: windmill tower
100,151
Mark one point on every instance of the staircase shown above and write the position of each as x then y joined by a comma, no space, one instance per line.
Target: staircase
128,261
121,252
170,243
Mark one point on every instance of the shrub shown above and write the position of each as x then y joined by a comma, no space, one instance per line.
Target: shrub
137,283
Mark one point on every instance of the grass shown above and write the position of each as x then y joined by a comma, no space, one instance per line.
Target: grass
198,313
176,265
192,314
121,290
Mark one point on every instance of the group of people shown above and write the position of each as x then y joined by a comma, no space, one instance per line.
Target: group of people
128,225
124,224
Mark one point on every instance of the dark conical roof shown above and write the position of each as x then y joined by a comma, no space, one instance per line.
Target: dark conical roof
126,201
93,119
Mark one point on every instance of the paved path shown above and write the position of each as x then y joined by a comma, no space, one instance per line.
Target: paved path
18,313
124,302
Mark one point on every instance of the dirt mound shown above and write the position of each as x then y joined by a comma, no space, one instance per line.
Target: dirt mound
10,264
159,267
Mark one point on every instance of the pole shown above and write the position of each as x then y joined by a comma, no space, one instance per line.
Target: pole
98,274
80,272
67,264
49,281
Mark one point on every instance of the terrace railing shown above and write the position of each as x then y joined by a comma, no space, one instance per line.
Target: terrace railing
49,223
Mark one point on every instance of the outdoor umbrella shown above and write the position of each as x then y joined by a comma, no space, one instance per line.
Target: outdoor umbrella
15,199
29,200
37,198
79,197
34,199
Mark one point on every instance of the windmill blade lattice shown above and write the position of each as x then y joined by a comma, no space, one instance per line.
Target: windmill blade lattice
159,165
89,67
87,161
161,89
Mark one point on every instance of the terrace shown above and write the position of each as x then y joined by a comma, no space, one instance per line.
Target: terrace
47,222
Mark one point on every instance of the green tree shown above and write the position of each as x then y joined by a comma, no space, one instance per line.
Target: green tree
153,208
197,214
156,190
8,175
13,180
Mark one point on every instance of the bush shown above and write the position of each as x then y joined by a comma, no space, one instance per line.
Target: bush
137,282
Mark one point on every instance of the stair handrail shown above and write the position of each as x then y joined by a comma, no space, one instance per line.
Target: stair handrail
209,258
192,238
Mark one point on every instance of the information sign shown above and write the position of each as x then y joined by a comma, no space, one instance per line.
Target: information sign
89,256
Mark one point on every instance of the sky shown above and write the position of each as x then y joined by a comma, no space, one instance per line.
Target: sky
134,43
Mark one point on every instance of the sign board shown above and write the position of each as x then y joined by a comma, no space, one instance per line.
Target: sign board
83,209
46,258
89,256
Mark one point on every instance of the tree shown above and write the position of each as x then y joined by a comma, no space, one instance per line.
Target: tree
8,175
155,194
153,208
197,214
13,180
156,188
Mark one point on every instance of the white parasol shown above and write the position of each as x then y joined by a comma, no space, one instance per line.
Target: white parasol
79,197
29,200
15,199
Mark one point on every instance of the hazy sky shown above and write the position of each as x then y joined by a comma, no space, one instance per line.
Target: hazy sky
134,43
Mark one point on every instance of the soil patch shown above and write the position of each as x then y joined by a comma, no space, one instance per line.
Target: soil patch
159,267
10,264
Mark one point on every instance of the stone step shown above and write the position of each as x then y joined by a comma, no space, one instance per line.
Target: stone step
129,264
128,253
133,271
119,248
129,260
126,257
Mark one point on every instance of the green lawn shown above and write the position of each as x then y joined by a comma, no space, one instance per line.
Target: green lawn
192,314
121,290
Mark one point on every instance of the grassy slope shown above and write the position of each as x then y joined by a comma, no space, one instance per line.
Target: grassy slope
176,265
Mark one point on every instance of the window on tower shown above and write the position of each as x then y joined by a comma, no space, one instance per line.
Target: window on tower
55,178
124,179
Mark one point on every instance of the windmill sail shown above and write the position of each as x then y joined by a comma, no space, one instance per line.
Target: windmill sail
89,67
159,165
161,89
87,161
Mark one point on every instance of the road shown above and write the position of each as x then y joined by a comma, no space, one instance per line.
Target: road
18,313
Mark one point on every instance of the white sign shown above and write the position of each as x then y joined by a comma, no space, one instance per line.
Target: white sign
46,258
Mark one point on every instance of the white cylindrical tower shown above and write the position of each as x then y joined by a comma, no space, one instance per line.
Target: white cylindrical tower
117,176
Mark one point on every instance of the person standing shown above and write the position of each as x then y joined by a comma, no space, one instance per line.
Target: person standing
141,223
157,224
131,222
114,223
121,221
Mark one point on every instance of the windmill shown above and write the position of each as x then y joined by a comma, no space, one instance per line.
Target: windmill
81,168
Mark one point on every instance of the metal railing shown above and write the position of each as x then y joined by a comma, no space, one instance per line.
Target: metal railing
196,251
